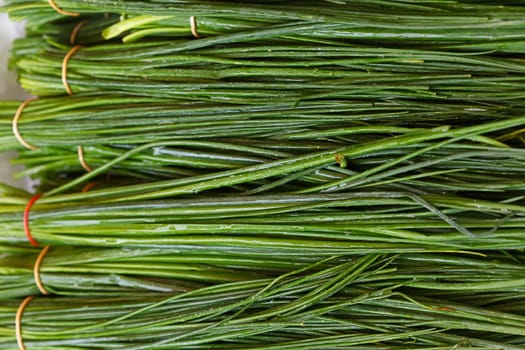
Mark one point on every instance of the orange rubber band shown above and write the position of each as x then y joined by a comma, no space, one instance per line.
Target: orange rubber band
67,57
36,270
193,27
89,186
76,30
82,160
59,10
18,322
26,220
16,118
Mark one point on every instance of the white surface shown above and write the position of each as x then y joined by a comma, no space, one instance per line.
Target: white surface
9,89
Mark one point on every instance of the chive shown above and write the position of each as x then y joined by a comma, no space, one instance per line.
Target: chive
251,314
267,175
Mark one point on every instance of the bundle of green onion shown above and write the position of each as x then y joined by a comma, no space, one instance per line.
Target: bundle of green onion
336,307
154,139
327,224
254,73
84,271
462,25
266,175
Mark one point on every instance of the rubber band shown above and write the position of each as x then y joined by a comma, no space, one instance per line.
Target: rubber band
82,160
89,186
18,321
193,27
67,57
76,30
36,270
59,10
16,118
26,220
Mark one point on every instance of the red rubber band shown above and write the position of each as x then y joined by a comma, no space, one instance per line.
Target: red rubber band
26,219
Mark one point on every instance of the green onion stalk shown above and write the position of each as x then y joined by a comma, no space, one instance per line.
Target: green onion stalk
308,308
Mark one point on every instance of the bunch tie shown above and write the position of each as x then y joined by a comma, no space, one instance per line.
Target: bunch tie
26,220
67,57
16,118
76,30
193,27
36,270
61,11
18,321
82,159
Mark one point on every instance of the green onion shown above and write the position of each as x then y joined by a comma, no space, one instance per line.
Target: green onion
300,224
304,309
267,175
83,271
463,25
191,142
283,74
